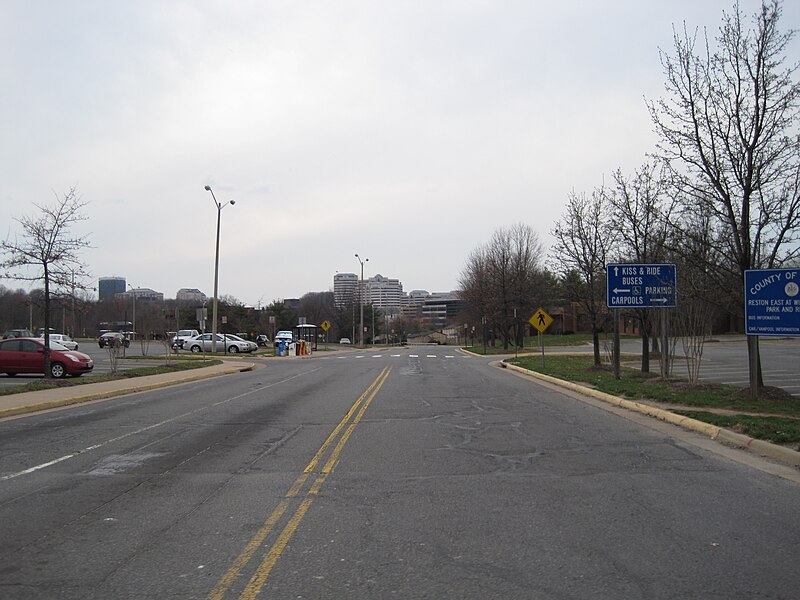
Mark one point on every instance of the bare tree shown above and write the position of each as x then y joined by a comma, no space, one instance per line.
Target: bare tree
500,279
641,210
728,129
583,240
47,251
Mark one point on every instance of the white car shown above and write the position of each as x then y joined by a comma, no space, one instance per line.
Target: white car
225,343
283,336
64,340
183,335
344,341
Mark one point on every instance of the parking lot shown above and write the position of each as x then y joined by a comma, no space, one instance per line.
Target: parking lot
102,361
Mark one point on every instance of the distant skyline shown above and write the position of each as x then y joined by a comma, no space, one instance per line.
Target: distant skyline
407,132
171,295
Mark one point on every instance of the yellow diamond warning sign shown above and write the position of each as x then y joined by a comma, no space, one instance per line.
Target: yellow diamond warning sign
541,320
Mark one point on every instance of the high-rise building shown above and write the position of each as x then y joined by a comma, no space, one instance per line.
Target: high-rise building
108,287
345,289
383,292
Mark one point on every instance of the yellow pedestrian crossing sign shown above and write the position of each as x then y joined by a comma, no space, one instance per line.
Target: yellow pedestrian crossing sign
325,326
541,320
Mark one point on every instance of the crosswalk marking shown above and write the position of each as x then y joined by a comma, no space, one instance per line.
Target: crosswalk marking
364,356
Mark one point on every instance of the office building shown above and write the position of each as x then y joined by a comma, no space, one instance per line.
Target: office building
345,289
384,293
108,287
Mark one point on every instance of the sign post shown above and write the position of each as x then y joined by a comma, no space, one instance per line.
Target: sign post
541,321
642,286
771,308
325,326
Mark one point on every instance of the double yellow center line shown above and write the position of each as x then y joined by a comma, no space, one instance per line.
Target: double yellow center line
328,458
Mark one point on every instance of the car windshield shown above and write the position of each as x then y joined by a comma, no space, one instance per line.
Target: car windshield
235,338
56,346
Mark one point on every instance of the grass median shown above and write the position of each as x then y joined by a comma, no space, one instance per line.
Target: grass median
775,416
172,367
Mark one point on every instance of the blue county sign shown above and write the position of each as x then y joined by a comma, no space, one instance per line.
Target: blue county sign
772,302
640,286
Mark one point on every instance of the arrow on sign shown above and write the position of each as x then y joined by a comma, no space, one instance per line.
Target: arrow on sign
662,300
617,290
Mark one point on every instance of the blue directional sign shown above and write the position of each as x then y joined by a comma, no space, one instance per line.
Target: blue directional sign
641,286
772,302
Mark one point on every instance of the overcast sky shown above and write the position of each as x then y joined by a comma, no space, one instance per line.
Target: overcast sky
405,131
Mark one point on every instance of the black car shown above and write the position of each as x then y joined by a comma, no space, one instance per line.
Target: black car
262,340
113,339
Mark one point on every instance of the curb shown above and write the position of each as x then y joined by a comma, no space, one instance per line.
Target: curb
784,455
113,393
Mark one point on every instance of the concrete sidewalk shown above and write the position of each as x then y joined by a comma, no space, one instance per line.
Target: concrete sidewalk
28,402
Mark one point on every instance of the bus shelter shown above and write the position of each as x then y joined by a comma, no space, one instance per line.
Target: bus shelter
308,333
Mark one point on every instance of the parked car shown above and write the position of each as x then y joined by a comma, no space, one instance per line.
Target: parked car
113,339
344,341
64,340
283,336
262,340
184,334
17,333
26,355
225,343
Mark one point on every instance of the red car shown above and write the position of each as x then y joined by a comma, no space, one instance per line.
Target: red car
26,355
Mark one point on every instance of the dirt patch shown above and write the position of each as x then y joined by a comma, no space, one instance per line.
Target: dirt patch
767,393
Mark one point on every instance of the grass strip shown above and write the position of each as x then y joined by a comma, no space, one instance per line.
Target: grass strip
778,430
46,384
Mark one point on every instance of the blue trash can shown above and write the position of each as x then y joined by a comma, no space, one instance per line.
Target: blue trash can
282,348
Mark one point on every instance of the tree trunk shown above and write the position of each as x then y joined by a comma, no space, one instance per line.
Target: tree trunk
645,352
596,345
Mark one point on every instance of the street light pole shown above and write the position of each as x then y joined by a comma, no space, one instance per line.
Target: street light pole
133,293
216,268
361,301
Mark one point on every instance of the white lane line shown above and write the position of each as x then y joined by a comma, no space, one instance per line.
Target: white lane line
39,467
449,356
395,355
430,356
377,356
413,356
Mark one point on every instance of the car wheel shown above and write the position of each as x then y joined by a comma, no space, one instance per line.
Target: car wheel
57,370
195,349
233,349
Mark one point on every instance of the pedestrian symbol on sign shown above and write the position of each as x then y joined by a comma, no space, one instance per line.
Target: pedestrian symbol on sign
541,320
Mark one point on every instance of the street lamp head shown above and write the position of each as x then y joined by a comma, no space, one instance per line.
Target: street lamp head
208,188
233,202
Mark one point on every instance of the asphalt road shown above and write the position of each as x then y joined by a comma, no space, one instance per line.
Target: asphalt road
416,473
724,361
